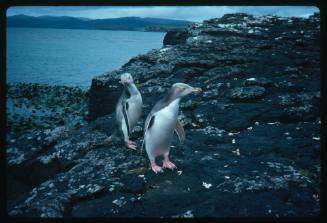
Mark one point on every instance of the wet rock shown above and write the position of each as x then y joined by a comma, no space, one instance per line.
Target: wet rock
299,111
247,93
29,108
264,82
133,184
290,86
287,100
187,214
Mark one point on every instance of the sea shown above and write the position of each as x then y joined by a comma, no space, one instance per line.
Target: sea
71,57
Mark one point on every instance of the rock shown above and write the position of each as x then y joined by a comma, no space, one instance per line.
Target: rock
299,111
175,37
133,184
56,134
98,106
241,41
247,93
287,100
290,86
263,82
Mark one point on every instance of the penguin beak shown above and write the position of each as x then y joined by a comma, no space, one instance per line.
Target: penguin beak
124,82
197,90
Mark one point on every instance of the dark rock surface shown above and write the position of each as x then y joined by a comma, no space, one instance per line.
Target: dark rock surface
175,37
247,93
252,143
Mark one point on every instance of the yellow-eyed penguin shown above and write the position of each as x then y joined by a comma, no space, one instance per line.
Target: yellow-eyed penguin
128,109
161,123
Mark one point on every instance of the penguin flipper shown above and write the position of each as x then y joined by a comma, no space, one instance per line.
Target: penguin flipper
150,119
180,131
148,123
125,109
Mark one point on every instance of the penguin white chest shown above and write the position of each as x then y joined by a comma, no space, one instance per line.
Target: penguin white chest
168,115
134,109
161,133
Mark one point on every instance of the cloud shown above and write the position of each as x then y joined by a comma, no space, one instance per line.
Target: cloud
191,13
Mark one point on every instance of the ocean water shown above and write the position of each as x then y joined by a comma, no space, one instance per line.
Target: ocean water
71,57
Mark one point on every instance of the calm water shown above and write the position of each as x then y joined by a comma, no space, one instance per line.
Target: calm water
71,57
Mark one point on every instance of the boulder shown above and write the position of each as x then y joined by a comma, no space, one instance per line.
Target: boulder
175,37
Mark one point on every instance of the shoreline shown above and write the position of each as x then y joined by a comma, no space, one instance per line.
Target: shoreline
131,30
82,87
32,108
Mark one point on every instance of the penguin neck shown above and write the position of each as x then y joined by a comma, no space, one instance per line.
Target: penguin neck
171,101
171,97
175,102
131,89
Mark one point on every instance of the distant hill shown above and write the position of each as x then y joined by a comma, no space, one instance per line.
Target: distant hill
123,23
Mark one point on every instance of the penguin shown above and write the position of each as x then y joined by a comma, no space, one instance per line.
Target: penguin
128,109
161,123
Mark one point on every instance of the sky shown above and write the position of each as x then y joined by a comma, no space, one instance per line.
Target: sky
190,13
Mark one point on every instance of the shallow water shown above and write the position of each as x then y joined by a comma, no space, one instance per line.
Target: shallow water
71,57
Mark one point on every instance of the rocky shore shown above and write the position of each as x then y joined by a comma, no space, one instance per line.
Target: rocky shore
252,143
32,107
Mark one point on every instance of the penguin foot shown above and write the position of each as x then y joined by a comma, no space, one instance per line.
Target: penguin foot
168,164
156,168
131,145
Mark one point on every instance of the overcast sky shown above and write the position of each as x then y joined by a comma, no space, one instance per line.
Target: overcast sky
191,13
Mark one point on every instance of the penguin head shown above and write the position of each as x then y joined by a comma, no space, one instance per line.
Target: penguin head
181,89
126,78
